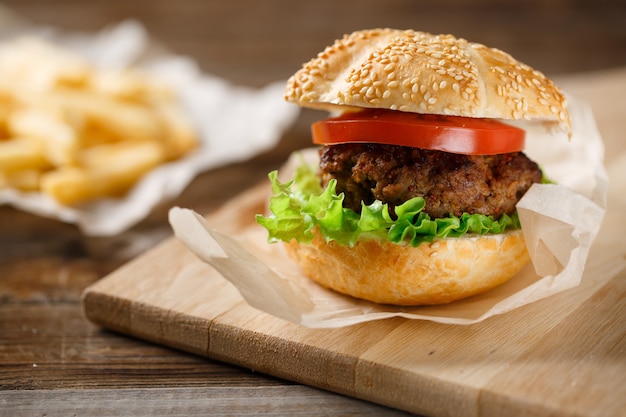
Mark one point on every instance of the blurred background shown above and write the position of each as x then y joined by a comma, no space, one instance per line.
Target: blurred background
252,43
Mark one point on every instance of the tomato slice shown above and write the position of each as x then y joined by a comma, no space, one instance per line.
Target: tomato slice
452,134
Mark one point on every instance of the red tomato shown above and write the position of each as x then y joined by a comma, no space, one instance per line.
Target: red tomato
452,134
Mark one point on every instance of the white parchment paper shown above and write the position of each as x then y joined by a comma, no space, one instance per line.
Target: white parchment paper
234,124
560,223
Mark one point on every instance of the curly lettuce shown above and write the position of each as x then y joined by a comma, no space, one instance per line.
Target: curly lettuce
301,205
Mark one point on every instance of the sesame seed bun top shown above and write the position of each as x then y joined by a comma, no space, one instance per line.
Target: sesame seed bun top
423,73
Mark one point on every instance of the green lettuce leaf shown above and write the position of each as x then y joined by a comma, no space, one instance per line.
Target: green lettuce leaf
301,205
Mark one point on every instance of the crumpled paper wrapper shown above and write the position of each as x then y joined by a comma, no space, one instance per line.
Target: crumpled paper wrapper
560,223
215,107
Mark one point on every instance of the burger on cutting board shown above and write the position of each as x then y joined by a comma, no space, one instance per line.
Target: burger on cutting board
413,199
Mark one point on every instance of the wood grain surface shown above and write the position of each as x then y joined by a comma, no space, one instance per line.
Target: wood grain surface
564,355
55,362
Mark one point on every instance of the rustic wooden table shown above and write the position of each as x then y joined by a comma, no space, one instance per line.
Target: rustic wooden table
54,362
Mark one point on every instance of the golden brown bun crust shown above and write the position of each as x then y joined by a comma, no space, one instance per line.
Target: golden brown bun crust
423,73
433,273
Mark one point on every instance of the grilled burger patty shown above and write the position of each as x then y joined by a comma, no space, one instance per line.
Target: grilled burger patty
449,183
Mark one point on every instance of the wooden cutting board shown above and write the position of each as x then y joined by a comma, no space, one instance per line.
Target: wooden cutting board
563,356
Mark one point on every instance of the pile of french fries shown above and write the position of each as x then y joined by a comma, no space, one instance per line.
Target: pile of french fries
78,133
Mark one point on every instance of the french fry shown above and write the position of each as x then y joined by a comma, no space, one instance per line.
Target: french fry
130,85
123,121
107,171
42,66
57,139
24,180
21,153
79,133
180,137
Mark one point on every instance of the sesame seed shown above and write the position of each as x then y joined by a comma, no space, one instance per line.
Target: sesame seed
445,63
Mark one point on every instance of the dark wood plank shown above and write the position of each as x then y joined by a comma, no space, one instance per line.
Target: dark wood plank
218,401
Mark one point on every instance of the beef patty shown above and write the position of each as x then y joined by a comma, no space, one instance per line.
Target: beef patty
449,183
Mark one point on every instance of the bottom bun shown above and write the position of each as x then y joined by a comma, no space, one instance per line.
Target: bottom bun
432,273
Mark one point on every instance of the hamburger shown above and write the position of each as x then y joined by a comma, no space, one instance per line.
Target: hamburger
420,167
